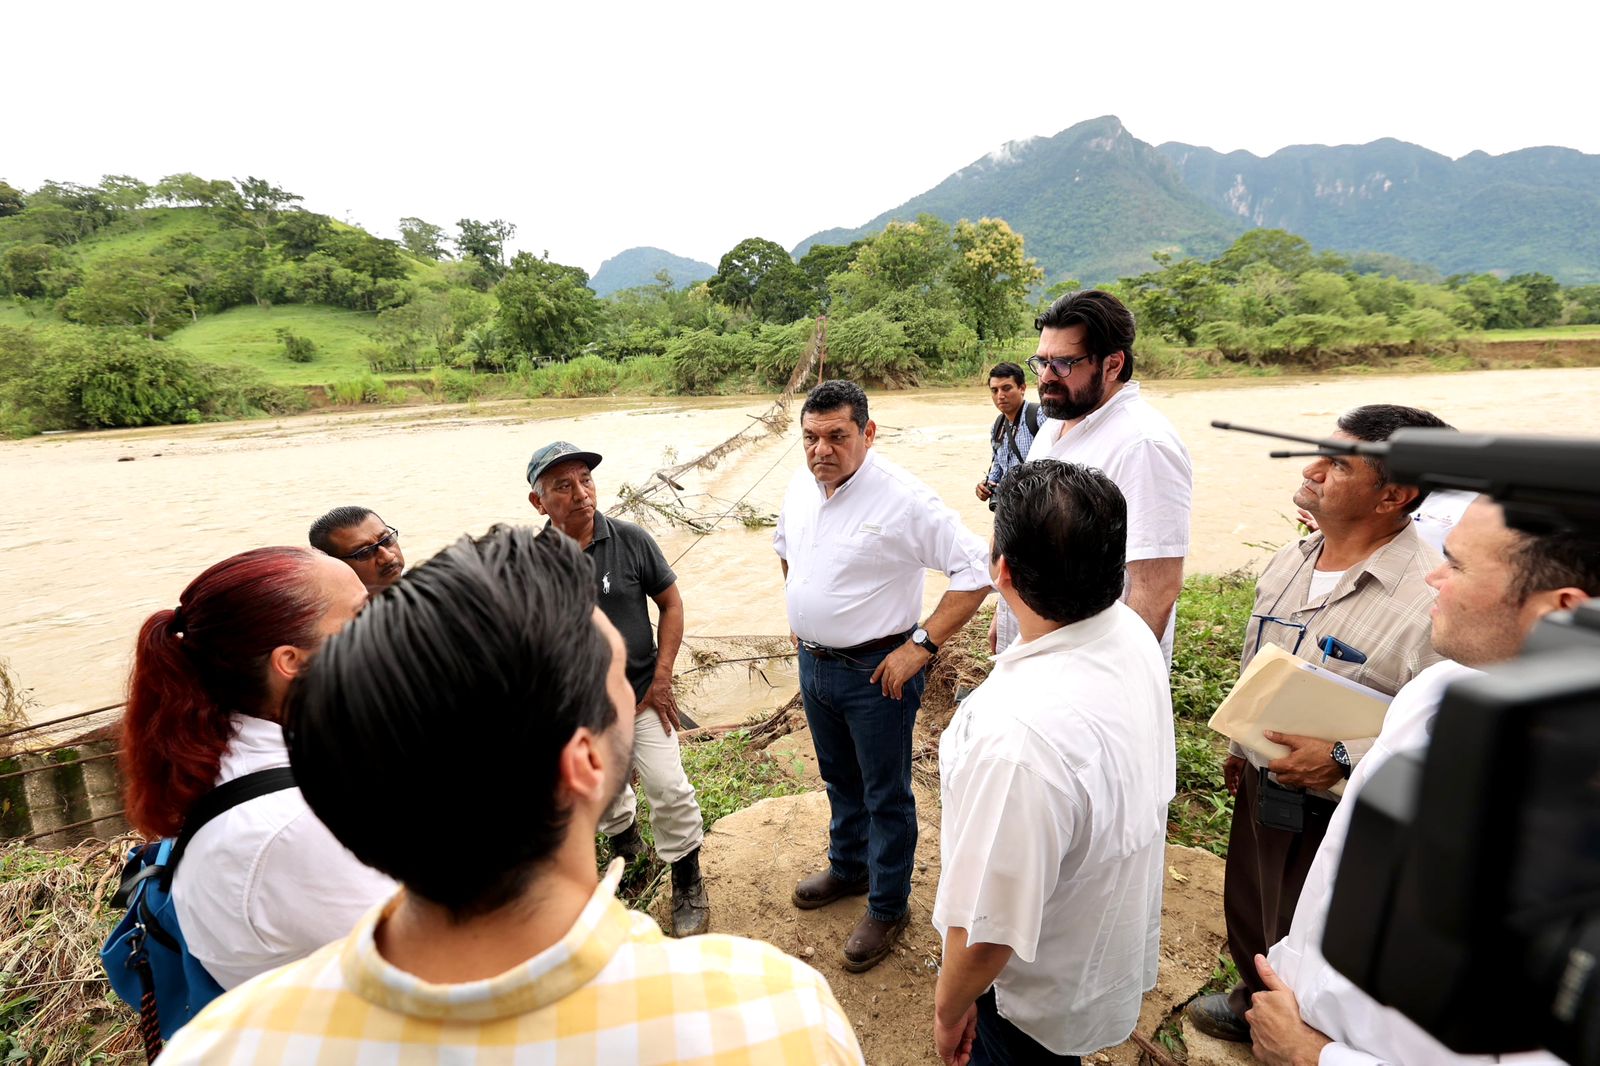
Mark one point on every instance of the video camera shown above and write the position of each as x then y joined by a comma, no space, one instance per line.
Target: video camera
1468,892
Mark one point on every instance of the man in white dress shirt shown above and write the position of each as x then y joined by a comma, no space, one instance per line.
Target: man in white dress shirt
855,536
1096,417
1494,585
1055,777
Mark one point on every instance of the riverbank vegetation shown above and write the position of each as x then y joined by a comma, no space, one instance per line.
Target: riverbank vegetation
194,299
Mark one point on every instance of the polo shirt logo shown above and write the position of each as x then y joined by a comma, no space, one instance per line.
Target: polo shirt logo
605,583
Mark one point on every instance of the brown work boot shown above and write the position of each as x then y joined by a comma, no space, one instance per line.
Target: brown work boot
821,889
871,941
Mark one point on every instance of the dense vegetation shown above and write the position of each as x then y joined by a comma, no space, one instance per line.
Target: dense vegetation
191,299
1272,298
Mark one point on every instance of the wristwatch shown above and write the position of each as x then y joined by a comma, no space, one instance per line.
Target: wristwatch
1342,757
919,637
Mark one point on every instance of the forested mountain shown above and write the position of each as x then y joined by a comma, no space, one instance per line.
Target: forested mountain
1535,209
1094,202
639,266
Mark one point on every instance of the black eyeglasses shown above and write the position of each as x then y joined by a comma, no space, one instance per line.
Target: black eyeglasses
361,555
1061,364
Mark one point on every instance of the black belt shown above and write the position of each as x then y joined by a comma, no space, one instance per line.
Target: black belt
822,652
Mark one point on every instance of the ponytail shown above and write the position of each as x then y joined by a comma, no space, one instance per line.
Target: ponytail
194,667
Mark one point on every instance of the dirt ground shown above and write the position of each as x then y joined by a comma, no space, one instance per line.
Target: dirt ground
753,857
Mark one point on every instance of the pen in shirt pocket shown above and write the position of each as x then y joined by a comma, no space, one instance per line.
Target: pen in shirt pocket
1337,648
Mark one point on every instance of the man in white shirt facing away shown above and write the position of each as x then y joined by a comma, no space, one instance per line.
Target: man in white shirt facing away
1096,417
1494,585
855,536
1055,777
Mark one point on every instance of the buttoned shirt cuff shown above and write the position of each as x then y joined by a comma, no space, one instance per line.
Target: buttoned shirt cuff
1337,1054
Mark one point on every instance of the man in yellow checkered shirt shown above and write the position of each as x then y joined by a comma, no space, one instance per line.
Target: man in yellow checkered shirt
464,735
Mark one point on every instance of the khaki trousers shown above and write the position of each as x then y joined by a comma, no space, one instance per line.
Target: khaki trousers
674,810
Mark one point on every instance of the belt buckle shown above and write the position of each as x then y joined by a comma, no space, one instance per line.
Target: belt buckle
818,651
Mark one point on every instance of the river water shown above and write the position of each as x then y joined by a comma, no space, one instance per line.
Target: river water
97,530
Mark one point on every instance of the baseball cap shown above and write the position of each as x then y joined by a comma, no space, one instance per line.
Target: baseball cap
558,452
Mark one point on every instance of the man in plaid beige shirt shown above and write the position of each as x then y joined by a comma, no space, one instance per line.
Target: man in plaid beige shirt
464,735
1351,597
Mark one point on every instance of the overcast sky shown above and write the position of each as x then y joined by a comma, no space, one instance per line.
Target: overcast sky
595,127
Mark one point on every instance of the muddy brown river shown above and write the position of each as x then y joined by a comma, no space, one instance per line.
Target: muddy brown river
97,530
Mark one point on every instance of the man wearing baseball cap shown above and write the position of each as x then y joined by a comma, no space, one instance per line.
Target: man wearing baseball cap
628,569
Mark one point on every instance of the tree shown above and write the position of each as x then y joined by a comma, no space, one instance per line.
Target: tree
261,196
784,294
546,309
191,190
423,239
299,233
26,269
823,261
742,269
906,255
123,192
135,290
992,275
1283,250
1542,295
11,200
485,242
1177,299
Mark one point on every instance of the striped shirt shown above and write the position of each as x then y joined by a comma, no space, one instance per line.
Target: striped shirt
1380,607
613,990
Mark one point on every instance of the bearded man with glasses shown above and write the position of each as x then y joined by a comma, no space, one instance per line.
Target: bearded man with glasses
357,537
1095,417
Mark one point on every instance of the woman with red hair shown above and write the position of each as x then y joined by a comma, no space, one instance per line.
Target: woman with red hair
264,883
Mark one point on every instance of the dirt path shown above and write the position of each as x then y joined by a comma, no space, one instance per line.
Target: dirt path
753,857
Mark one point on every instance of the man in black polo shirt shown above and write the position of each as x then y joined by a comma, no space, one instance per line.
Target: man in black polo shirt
628,568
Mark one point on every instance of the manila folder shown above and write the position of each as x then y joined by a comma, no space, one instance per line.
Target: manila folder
1283,692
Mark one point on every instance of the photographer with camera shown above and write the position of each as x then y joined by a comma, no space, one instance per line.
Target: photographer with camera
1494,586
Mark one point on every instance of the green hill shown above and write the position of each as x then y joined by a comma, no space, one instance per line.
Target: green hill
247,337
1093,202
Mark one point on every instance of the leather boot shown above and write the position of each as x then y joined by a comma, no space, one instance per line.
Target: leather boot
628,844
691,910
871,941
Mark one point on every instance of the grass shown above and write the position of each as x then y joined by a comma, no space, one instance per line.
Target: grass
1543,333
247,337
55,1005
145,232
1212,612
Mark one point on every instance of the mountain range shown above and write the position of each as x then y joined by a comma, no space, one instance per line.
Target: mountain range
1094,202
638,266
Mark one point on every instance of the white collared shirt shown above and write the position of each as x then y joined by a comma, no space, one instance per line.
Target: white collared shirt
1140,451
1364,1032
266,883
1055,776
857,559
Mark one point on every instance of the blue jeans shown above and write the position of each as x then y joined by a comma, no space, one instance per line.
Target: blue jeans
1002,1044
863,742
